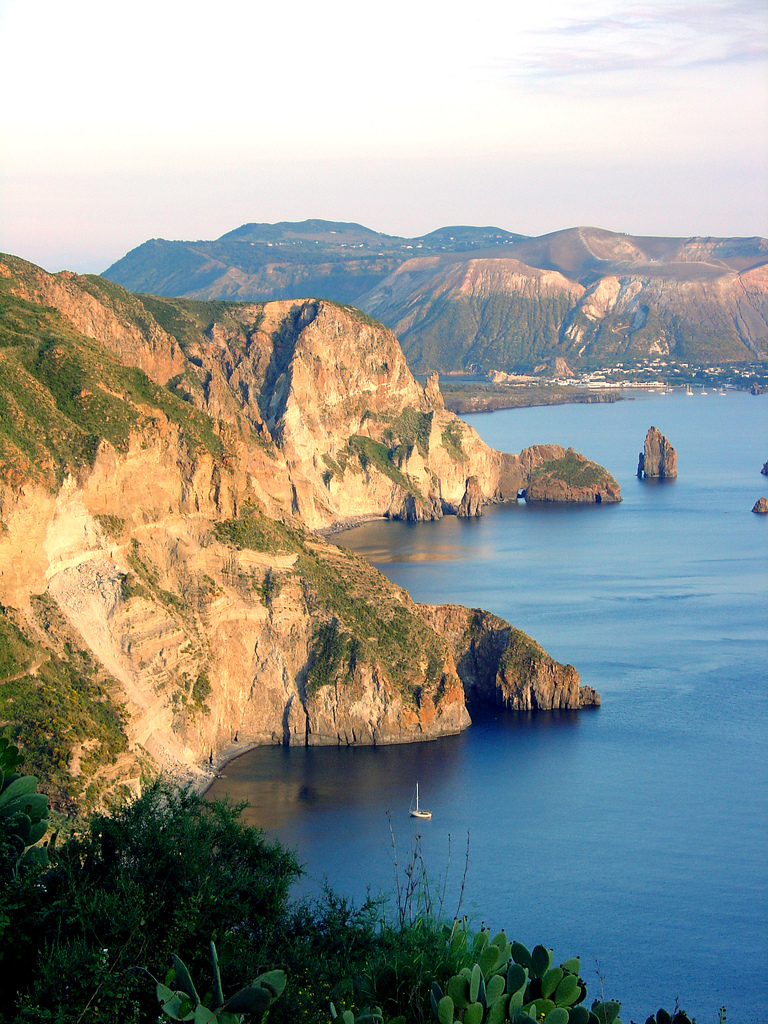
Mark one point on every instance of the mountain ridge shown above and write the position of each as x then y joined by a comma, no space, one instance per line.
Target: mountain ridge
618,296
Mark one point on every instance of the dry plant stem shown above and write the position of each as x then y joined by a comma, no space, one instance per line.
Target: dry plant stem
413,893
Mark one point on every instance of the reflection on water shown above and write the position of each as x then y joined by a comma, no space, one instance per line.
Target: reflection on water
280,783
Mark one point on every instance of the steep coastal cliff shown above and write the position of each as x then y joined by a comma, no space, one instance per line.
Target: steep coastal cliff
162,467
500,665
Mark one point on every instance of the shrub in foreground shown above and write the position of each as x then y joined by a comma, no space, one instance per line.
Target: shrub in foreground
133,889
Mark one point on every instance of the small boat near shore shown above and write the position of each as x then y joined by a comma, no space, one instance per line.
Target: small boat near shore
414,810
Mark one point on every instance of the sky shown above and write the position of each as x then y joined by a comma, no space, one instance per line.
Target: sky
164,119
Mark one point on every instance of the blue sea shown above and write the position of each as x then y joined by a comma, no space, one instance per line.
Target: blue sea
636,834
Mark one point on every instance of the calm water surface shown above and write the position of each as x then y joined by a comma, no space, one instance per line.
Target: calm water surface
636,834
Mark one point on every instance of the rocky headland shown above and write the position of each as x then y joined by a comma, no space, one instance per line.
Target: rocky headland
502,666
465,297
165,466
658,458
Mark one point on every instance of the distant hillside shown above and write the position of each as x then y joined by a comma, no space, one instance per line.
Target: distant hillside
314,258
484,298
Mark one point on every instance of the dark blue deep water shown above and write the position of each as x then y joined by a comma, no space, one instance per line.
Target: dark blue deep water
634,835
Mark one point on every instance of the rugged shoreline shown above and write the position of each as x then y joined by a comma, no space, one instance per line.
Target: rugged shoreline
165,467
480,397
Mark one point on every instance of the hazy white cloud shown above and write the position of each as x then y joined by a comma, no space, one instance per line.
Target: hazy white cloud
660,36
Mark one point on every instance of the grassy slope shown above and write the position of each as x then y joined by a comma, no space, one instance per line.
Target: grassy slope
59,705
359,616
573,471
61,394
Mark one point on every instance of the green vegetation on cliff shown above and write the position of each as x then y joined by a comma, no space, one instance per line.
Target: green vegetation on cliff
256,531
572,470
61,394
411,428
361,619
522,656
363,452
57,703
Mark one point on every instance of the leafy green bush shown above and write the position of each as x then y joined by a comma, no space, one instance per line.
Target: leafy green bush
254,530
134,888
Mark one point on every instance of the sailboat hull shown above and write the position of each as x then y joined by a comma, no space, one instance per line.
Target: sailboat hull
416,812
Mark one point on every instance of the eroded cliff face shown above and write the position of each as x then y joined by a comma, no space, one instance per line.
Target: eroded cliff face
165,601
500,665
317,403
209,641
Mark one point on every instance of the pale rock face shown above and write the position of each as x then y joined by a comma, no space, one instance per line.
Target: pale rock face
658,458
370,712
601,299
128,549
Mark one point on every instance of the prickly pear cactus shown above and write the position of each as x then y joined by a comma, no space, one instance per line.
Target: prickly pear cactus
368,1015
183,1003
510,983
678,1017
23,813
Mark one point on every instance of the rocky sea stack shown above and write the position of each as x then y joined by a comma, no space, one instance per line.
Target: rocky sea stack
658,458
761,506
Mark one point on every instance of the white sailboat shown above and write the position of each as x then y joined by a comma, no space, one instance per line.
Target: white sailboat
414,810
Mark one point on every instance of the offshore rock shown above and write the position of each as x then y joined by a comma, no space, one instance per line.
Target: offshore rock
764,470
761,506
658,458
411,509
570,477
502,666
472,502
